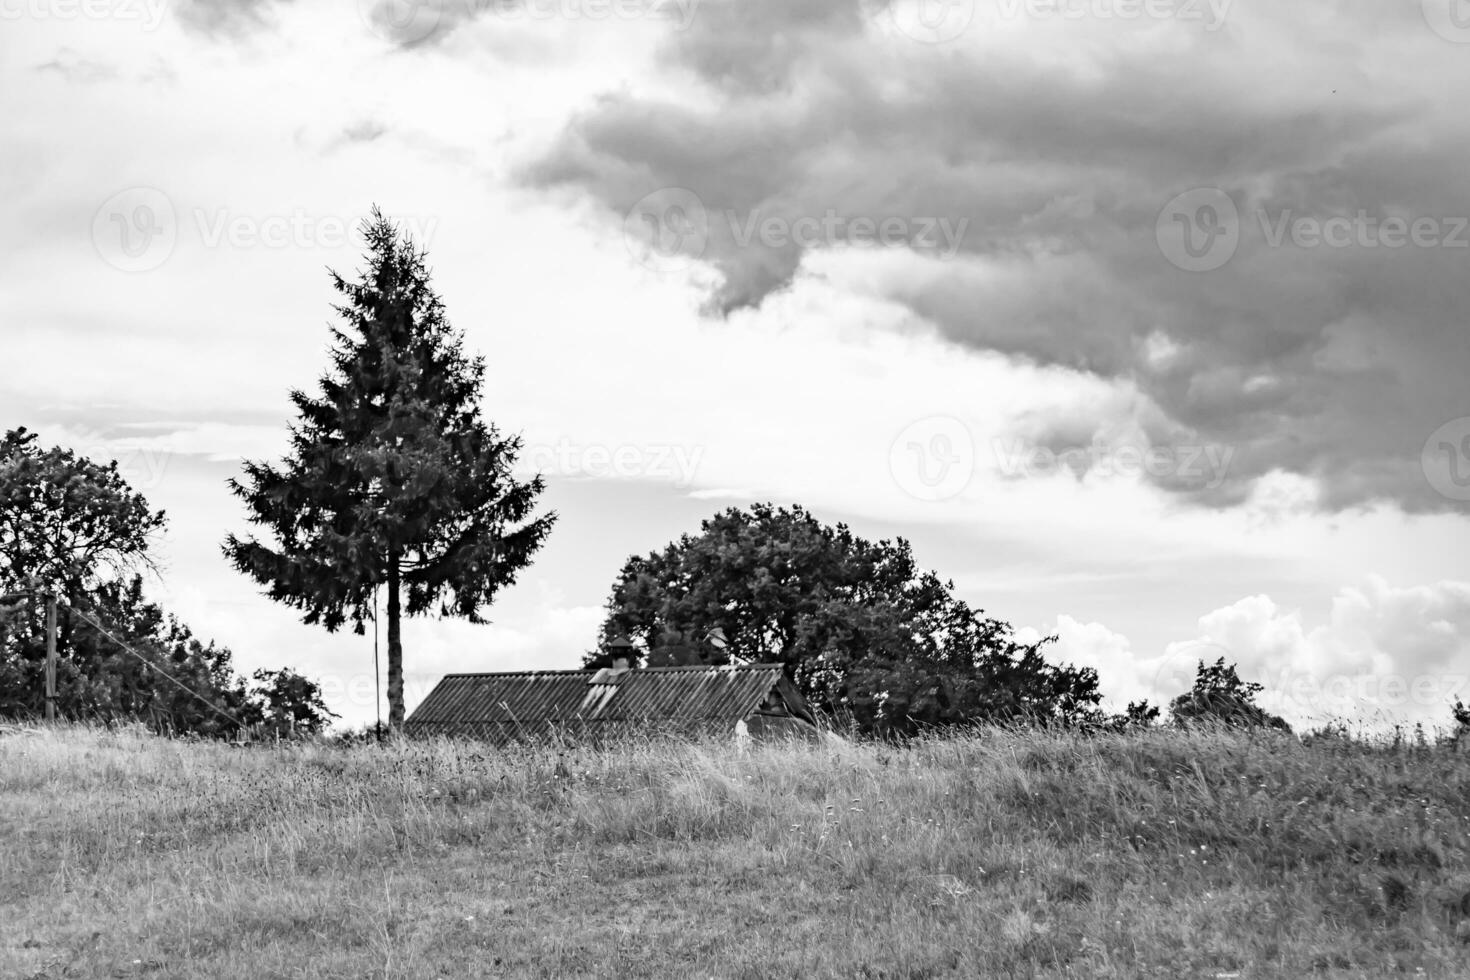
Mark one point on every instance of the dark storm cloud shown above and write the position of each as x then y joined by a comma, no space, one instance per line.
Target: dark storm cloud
1060,151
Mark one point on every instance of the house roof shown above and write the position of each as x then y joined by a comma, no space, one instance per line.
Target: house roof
510,705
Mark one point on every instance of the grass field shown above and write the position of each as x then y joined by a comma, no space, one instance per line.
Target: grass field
1006,855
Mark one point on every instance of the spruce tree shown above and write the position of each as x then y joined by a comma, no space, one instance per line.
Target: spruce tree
393,478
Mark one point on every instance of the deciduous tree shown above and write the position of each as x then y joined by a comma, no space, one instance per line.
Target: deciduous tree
66,521
1221,697
860,628
75,527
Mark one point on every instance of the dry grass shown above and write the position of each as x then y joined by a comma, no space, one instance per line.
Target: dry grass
1009,855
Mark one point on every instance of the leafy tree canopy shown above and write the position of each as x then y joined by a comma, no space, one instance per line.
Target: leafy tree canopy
863,632
65,520
75,527
1221,697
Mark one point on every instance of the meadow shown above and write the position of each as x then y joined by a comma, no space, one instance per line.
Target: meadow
996,854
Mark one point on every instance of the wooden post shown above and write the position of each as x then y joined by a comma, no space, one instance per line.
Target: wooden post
50,656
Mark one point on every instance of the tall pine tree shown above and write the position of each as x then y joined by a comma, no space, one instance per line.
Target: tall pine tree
393,479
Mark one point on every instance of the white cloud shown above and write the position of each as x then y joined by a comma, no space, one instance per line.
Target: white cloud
1095,645
1384,655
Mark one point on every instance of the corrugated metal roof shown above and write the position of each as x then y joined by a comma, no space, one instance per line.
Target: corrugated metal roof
527,703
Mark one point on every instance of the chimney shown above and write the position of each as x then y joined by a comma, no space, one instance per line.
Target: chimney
621,650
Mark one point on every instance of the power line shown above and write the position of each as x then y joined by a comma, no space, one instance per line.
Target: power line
148,663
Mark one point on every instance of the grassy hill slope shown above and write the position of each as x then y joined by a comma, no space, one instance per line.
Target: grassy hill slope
1006,855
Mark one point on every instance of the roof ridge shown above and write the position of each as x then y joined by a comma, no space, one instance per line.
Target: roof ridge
635,670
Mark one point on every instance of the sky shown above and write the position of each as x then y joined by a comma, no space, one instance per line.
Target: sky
1145,321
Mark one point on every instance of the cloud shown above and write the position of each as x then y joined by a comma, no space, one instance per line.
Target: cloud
225,19
363,131
429,23
75,68
1385,654
217,441
1095,645
1060,143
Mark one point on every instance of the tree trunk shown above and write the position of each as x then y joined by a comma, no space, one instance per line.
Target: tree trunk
395,651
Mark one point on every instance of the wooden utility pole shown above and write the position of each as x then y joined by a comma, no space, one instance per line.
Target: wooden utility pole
50,656
6,611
